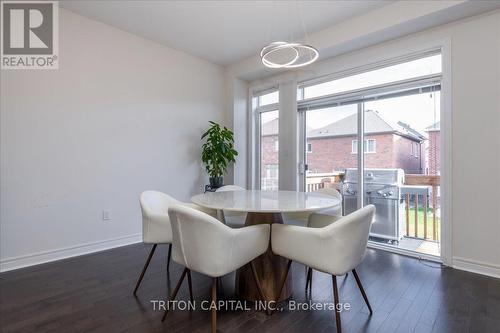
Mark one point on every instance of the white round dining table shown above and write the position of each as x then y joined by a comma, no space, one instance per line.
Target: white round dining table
257,201
265,207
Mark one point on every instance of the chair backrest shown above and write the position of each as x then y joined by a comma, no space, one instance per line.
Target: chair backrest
226,214
230,188
347,238
200,242
155,220
155,202
330,191
334,211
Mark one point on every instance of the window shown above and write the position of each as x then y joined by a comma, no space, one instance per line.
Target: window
269,149
269,98
325,153
369,146
411,69
415,149
266,112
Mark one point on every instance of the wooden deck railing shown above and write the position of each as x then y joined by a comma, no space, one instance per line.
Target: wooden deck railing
433,181
316,181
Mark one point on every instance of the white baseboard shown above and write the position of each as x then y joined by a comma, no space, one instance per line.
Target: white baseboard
9,264
478,267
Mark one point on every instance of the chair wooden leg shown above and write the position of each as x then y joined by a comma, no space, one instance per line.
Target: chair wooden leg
190,285
214,305
145,268
174,293
282,284
360,286
336,303
307,275
309,279
169,256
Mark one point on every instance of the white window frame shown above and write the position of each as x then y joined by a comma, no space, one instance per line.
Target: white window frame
388,62
416,149
256,115
264,93
386,54
354,146
367,150
444,80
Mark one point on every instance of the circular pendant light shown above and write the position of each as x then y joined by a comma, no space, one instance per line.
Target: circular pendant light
288,55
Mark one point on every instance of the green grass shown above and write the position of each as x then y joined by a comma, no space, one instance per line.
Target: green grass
420,224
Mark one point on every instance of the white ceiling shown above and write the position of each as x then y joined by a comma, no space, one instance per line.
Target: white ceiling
223,32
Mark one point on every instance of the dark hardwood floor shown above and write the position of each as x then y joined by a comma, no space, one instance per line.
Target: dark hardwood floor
93,293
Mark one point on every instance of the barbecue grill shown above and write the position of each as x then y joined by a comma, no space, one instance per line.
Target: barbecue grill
382,189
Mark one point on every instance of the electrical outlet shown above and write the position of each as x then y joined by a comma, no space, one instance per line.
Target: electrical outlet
106,215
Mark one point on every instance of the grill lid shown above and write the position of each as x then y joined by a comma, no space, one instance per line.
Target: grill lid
377,176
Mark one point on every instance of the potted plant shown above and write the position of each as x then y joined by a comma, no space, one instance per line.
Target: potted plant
217,152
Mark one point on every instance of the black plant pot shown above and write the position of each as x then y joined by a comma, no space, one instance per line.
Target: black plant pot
216,182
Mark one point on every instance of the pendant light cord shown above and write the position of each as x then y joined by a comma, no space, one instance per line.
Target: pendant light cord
298,51
303,25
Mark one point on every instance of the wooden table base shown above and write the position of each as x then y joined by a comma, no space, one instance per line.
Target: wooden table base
270,268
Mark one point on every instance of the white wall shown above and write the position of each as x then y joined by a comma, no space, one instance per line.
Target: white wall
474,45
121,115
476,143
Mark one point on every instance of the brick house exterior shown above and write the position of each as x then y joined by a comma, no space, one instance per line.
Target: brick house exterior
391,151
434,149
332,147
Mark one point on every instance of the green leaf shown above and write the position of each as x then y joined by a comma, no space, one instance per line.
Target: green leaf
218,149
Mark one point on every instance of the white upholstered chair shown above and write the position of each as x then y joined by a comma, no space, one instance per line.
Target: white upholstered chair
335,249
156,223
321,219
232,219
317,219
204,245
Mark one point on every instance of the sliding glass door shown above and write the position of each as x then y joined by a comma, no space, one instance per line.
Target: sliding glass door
375,136
410,144
330,133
